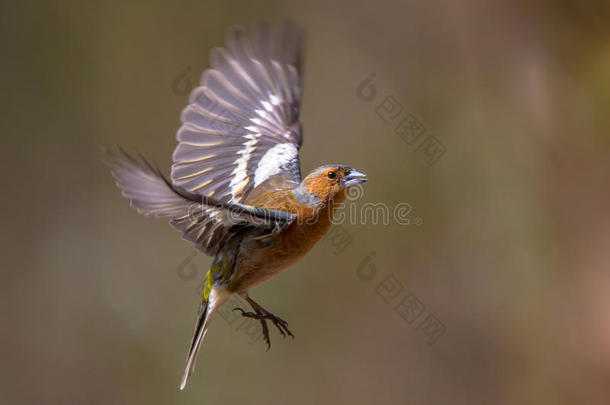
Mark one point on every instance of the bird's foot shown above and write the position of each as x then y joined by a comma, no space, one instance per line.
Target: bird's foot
263,316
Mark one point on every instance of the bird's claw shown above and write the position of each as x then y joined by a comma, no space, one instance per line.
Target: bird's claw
263,317
244,313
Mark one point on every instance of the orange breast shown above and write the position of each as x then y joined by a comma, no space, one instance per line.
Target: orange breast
259,262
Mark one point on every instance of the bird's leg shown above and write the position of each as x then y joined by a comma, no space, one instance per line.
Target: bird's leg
263,315
260,317
279,323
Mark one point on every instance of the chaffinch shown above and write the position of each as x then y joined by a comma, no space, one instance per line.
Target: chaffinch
235,190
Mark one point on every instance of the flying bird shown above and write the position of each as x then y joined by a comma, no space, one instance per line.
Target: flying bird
235,190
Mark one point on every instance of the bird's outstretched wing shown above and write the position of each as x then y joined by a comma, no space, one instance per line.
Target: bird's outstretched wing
205,221
241,128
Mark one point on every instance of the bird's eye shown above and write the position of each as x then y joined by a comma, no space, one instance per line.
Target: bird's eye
332,175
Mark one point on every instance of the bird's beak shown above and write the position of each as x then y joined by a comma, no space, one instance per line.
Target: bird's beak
354,177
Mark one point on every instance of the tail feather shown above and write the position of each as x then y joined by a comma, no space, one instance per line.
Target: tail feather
198,335
201,328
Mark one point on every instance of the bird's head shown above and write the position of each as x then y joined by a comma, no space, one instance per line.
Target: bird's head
327,183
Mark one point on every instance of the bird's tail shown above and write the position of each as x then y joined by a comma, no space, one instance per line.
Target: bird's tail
201,328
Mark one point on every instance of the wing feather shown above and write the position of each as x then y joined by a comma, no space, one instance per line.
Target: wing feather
246,106
204,221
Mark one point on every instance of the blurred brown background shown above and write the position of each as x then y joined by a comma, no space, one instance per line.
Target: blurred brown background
512,254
